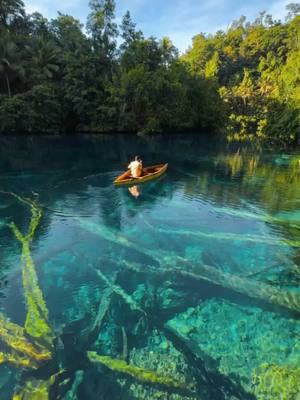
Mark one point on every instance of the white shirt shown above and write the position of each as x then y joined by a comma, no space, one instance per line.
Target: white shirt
135,168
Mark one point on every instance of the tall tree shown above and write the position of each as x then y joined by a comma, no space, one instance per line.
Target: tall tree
10,63
11,10
43,60
293,10
129,33
102,27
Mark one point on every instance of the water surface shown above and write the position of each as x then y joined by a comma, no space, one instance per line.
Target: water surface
194,276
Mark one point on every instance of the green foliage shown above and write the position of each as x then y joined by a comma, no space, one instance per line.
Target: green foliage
10,11
102,27
38,110
257,68
56,78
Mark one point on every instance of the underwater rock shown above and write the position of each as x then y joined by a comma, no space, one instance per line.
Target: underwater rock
158,354
238,338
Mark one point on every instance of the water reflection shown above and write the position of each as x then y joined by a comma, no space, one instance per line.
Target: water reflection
134,191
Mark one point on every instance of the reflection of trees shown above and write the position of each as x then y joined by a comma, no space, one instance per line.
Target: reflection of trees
272,184
274,187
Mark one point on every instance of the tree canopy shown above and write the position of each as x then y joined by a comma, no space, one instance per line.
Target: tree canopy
57,77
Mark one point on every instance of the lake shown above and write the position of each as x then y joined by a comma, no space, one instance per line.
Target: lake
185,287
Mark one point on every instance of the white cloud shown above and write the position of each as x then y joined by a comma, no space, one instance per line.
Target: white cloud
49,8
32,7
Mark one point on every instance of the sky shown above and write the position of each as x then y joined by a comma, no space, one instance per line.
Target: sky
178,19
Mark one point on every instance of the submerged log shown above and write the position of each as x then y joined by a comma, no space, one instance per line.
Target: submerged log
18,360
224,236
121,292
125,345
142,375
243,285
248,287
37,389
36,323
14,337
113,236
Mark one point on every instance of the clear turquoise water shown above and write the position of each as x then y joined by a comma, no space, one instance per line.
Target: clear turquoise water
196,279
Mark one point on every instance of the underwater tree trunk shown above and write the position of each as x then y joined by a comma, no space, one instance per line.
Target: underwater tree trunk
249,287
243,285
8,85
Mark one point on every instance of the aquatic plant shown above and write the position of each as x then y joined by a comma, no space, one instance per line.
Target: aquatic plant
138,373
277,382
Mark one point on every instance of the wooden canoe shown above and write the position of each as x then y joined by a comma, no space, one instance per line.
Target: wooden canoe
149,173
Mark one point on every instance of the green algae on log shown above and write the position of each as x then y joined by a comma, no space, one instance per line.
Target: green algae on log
36,323
13,335
138,373
18,360
277,382
36,389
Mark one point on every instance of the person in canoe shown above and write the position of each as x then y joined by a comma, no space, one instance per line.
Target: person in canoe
136,167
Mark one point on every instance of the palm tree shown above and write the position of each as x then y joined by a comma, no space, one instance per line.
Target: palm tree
43,59
10,66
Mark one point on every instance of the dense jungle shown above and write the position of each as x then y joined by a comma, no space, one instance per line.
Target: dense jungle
59,76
